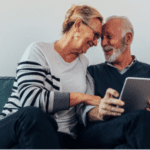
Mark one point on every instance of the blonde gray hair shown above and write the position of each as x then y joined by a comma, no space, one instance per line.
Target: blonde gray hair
126,24
85,12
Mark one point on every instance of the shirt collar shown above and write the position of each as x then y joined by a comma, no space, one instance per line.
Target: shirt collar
127,67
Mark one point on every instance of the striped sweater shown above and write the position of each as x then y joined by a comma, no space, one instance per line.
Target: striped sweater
38,84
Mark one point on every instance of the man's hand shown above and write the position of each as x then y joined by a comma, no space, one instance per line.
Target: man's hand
148,106
106,107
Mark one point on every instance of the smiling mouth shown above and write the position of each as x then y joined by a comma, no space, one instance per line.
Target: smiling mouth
108,51
89,45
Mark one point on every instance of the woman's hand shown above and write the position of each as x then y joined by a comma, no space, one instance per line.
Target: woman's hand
77,98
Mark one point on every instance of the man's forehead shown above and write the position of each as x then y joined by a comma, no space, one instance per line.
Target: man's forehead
113,25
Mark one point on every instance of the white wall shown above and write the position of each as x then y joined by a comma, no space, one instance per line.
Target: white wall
25,21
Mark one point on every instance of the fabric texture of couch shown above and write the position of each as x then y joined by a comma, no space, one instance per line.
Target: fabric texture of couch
6,84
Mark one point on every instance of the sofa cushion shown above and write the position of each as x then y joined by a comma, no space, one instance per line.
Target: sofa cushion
6,84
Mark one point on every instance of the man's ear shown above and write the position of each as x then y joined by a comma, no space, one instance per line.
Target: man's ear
128,38
77,24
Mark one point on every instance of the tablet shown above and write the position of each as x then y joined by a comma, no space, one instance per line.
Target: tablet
135,93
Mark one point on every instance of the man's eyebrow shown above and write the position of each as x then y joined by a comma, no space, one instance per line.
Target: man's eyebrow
107,32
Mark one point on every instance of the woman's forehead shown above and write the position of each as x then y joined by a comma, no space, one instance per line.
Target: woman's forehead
96,25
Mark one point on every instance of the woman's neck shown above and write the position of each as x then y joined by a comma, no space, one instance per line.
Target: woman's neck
64,48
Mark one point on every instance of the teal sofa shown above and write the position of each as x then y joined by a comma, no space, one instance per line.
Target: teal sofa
6,84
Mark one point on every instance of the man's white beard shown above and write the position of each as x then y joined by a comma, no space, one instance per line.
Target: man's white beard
116,53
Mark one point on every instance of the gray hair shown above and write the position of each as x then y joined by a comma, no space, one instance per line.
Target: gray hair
126,24
85,12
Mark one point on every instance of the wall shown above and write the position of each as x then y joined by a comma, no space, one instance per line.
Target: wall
25,21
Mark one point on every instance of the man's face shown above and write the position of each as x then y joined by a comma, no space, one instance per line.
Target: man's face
112,42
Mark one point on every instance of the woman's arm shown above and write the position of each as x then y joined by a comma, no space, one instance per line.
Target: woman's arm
78,98
33,77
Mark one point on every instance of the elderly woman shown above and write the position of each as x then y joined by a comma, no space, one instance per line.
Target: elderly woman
53,91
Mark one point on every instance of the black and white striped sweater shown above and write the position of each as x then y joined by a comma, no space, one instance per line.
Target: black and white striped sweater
38,83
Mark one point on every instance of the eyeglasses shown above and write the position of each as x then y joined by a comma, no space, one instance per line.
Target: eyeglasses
96,35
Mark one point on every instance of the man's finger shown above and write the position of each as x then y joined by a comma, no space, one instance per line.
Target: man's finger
109,113
112,108
114,101
147,108
111,92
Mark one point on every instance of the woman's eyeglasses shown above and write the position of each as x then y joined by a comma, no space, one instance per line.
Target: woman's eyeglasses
96,35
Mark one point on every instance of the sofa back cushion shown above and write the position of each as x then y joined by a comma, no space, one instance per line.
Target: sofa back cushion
6,84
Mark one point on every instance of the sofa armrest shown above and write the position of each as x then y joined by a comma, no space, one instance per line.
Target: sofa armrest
6,84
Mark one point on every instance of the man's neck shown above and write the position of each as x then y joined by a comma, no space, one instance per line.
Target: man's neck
124,60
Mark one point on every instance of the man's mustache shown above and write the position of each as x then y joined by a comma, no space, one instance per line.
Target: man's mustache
108,48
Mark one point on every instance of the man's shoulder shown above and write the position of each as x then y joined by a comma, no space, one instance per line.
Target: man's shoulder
96,68
101,65
142,64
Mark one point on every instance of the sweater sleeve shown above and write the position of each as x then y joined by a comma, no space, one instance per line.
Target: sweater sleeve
35,83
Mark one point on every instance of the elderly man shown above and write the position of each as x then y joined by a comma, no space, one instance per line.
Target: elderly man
108,126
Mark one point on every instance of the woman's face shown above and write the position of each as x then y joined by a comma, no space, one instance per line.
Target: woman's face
87,35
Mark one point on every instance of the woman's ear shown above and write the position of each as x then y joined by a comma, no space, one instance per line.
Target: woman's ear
128,38
77,24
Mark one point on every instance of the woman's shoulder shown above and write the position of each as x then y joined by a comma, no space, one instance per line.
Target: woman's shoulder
84,59
35,52
40,45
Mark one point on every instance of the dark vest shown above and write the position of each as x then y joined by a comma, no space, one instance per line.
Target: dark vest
108,77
